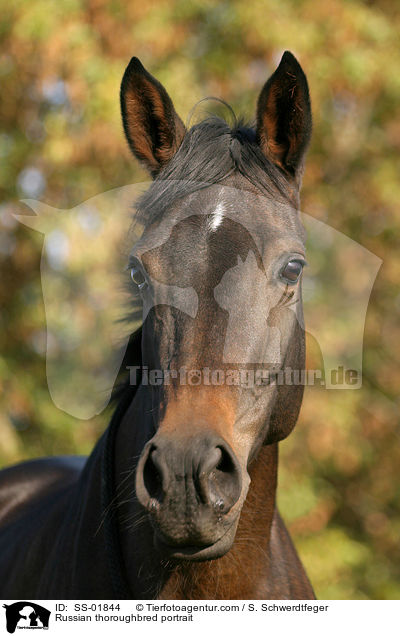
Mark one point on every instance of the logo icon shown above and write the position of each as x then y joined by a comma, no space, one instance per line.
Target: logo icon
26,615
86,302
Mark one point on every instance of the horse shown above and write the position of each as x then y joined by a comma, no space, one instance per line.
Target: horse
178,498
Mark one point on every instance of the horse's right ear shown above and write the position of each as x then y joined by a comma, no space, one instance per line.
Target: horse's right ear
152,127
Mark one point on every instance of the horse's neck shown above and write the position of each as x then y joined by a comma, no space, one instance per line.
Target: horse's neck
244,571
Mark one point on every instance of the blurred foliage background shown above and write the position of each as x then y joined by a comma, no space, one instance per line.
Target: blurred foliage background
61,141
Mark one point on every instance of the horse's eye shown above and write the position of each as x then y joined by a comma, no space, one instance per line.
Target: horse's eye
291,272
138,277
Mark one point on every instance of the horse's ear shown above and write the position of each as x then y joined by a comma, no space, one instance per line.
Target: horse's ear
284,116
153,129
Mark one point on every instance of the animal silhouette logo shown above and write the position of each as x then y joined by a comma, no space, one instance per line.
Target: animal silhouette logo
26,615
86,302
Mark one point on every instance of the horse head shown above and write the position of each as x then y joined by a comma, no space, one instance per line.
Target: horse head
222,225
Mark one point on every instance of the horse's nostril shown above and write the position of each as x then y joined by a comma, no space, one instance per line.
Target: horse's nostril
225,464
220,480
153,478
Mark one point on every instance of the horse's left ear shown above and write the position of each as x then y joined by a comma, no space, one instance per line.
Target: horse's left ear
152,127
284,116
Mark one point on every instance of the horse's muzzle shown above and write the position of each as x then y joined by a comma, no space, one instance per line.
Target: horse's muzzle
190,486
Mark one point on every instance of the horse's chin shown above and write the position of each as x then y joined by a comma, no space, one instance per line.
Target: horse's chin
195,552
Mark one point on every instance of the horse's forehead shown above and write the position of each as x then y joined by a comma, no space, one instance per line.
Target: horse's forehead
236,202
263,217
259,213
